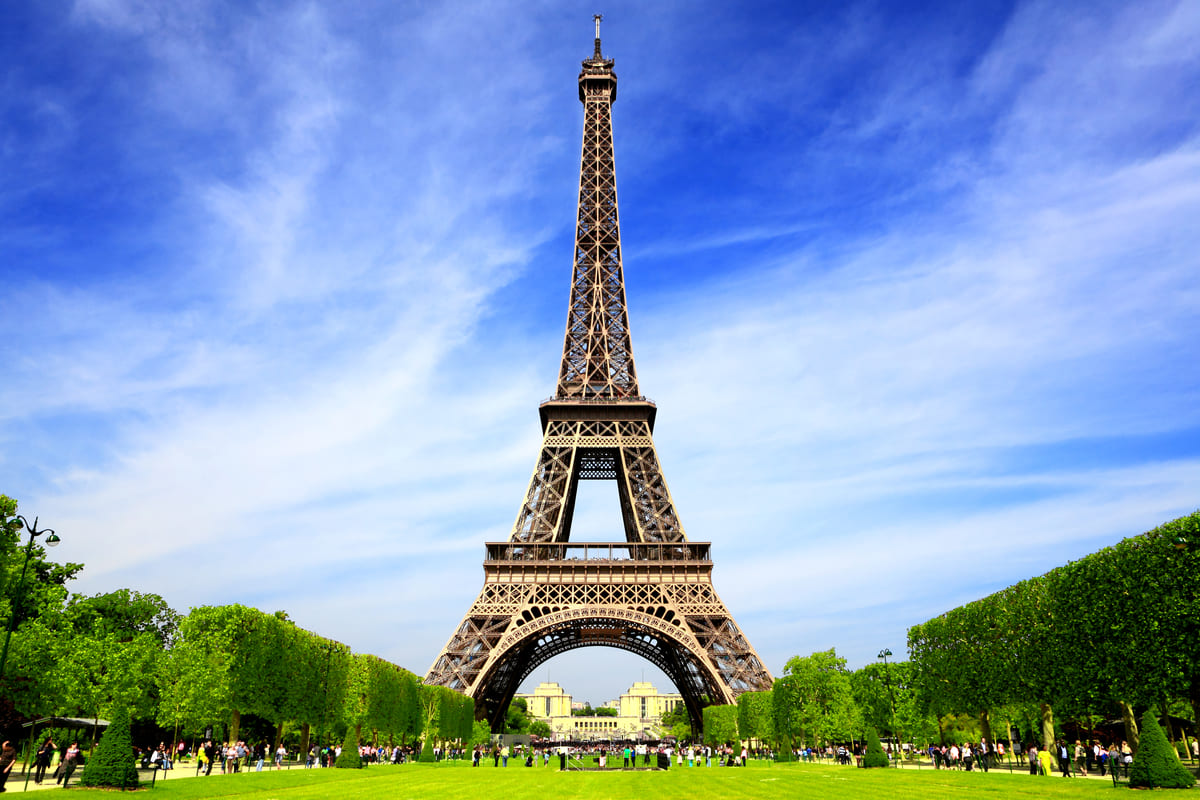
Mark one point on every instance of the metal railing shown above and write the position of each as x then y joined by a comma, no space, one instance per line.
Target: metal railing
599,551
596,401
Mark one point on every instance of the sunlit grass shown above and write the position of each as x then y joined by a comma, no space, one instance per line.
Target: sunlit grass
759,780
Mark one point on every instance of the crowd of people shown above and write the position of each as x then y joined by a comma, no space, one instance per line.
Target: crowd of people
1063,757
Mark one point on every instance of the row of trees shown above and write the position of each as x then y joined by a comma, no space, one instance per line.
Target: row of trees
1115,630
91,656
819,701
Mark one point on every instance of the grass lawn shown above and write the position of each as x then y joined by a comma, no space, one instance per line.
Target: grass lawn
460,780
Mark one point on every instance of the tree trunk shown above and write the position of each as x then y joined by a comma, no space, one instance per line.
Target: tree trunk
278,737
1047,726
235,725
985,727
941,732
1196,707
1166,717
304,731
1131,728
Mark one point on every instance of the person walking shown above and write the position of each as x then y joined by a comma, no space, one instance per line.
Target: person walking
8,757
1080,758
1064,758
45,755
67,768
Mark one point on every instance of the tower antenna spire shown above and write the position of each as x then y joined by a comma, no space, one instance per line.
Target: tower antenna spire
597,18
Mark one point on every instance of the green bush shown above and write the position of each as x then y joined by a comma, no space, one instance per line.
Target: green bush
875,756
1155,764
349,759
112,764
427,756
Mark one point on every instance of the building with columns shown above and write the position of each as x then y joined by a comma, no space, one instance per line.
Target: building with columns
639,713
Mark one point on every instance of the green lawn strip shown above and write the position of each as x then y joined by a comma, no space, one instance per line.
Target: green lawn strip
760,781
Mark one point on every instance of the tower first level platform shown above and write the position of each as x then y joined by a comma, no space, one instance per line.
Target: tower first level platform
653,599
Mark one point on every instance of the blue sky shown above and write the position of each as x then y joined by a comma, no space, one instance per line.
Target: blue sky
914,286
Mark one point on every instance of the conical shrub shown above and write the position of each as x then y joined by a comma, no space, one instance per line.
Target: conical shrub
1155,765
427,756
349,759
875,756
112,764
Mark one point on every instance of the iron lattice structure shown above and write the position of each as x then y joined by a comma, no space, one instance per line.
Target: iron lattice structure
651,594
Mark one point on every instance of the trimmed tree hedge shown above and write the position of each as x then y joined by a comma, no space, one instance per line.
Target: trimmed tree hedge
349,759
1156,766
875,756
113,764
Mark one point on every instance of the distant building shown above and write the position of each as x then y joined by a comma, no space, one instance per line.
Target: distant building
639,713
548,701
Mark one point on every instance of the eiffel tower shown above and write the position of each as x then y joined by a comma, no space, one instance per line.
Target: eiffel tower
651,594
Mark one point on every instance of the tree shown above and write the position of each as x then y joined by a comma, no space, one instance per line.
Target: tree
720,724
32,594
349,757
875,756
754,716
516,719
540,729
1156,765
43,587
113,764
821,697
677,723
481,733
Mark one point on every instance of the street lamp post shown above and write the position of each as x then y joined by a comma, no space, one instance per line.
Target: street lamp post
51,540
887,677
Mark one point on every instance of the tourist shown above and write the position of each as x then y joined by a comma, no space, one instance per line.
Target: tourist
280,754
1032,753
1080,758
8,757
1046,762
45,755
67,767
1064,758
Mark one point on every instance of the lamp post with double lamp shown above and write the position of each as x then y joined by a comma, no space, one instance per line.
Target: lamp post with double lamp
51,540
887,678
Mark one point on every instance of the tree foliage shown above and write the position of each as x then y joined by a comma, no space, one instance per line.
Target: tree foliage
820,696
720,724
754,716
92,656
875,757
1117,628
113,764
677,723
349,758
1156,765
